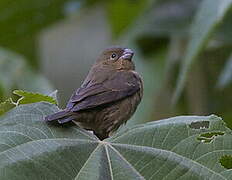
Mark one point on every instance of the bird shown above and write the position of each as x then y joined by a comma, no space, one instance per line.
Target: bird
108,96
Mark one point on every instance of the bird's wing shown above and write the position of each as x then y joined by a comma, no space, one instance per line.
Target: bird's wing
121,85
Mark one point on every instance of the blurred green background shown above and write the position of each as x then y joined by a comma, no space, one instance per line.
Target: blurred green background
183,50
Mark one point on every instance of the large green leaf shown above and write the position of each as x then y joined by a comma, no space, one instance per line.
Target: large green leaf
167,149
209,16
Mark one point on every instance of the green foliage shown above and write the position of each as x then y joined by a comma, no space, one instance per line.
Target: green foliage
209,16
33,149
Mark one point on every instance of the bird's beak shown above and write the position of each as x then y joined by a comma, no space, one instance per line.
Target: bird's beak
127,54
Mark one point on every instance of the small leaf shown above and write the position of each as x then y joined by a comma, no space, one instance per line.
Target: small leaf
208,18
226,161
29,97
6,106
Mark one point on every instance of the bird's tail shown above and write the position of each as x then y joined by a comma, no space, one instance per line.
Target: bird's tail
61,117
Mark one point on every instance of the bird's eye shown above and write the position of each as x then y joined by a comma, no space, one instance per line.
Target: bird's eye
113,56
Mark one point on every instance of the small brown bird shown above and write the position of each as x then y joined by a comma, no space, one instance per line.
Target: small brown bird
108,97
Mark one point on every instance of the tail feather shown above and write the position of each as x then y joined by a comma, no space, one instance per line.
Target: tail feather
59,116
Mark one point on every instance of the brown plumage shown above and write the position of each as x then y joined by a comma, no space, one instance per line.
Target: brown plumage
108,97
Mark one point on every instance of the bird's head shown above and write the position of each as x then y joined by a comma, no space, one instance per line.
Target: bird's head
117,58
